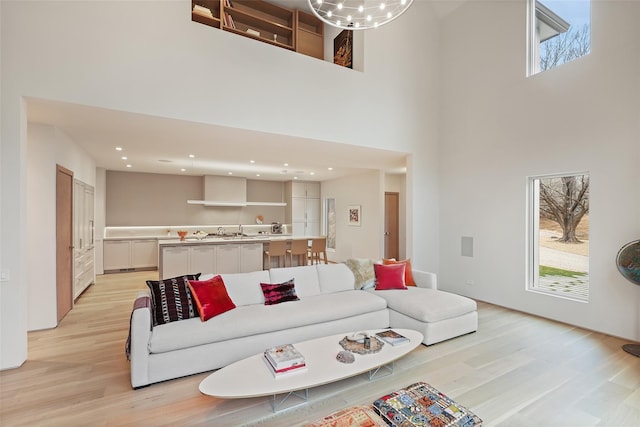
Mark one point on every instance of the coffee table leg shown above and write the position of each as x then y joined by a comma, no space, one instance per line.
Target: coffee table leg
388,368
300,394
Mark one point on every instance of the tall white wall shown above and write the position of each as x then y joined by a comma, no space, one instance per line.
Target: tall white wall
499,127
46,148
148,57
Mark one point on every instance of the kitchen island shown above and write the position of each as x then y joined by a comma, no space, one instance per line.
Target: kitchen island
220,255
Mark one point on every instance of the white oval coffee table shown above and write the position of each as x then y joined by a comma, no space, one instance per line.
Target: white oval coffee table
251,377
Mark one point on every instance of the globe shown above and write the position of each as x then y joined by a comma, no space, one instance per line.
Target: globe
628,262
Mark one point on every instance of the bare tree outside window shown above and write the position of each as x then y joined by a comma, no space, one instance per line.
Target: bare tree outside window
559,235
559,31
565,47
565,200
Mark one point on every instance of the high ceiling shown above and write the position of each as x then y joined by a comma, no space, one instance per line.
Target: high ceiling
160,145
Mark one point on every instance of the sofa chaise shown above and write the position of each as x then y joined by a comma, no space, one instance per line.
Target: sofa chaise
328,304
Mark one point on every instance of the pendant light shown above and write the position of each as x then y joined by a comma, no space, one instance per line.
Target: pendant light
358,14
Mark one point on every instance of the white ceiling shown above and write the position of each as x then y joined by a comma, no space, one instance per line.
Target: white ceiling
160,145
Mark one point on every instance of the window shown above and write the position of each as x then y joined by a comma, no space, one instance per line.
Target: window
559,31
559,235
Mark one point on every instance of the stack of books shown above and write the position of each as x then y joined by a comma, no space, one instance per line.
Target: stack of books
392,337
202,11
284,359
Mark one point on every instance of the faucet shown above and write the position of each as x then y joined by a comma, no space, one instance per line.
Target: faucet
240,230
220,231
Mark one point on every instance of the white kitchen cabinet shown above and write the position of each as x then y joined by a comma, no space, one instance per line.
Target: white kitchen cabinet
309,190
206,258
228,258
298,209
305,229
174,261
117,254
144,253
83,244
251,255
303,208
130,254
83,272
202,259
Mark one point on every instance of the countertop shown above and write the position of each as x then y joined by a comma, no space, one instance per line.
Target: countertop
135,238
226,240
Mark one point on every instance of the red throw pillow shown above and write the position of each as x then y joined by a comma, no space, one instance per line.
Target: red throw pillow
211,297
389,276
408,274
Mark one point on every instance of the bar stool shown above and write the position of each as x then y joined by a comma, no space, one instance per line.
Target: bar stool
318,246
299,250
276,249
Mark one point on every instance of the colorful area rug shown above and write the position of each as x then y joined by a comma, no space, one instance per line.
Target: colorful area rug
416,405
355,416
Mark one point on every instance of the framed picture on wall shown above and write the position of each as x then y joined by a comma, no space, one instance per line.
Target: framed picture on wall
343,49
355,215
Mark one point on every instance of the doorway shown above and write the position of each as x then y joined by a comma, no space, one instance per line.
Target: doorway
64,241
391,225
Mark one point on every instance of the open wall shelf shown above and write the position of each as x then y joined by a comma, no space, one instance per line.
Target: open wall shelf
263,21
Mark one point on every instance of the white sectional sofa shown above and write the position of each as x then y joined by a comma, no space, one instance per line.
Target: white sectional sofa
328,304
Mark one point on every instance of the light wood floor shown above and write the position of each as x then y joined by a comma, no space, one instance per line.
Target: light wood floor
517,370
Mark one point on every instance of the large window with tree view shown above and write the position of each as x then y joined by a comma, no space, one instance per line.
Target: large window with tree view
559,31
559,235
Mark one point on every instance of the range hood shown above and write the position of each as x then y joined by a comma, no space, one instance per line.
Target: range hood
227,191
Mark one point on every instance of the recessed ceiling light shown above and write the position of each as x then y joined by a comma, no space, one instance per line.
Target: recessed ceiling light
128,166
252,161
229,173
330,169
183,170
295,177
312,173
191,156
286,164
124,157
118,148
257,174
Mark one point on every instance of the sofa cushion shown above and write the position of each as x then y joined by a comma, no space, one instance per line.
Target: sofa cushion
275,293
408,272
211,297
244,288
427,305
252,320
171,299
306,278
389,276
335,278
362,269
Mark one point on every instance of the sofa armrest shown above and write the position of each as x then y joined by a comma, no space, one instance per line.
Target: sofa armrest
140,335
425,279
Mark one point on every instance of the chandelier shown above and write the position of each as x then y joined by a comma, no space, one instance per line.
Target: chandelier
358,14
